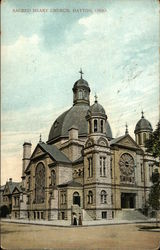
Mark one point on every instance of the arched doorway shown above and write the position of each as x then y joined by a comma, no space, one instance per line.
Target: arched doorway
76,199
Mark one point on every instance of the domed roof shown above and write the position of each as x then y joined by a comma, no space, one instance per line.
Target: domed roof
74,116
81,83
96,109
143,125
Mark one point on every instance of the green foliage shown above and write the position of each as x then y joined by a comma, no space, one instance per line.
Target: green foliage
154,196
153,144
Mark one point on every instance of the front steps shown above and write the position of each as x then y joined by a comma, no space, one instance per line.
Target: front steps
86,216
130,215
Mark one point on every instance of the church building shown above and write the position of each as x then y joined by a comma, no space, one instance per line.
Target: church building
82,171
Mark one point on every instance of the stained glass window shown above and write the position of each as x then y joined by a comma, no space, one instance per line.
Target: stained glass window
40,183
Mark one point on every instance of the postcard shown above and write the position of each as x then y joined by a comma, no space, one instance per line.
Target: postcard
80,121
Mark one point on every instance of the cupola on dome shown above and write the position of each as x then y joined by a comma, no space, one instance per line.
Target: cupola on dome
76,115
143,125
96,109
81,83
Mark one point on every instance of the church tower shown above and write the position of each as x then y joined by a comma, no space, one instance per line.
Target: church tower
142,131
97,174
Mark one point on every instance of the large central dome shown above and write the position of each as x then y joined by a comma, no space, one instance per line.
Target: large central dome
76,115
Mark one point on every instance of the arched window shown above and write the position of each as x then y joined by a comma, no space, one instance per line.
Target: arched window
40,183
76,198
95,125
111,167
90,127
80,94
144,137
139,139
102,166
53,178
90,197
103,196
29,183
85,94
90,167
101,126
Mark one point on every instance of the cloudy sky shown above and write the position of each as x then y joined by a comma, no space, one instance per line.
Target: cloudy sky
42,53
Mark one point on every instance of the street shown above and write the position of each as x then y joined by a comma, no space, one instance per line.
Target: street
125,237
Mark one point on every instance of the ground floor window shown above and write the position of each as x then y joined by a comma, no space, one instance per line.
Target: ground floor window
63,215
104,215
28,215
42,216
37,215
112,214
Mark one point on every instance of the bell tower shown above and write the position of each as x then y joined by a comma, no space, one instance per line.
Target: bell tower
97,172
142,131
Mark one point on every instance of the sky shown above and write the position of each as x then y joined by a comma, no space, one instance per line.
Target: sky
115,42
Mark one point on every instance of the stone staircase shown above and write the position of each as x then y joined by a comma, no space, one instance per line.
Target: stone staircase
78,210
130,215
86,216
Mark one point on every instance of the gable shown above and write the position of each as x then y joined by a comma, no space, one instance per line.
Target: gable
51,150
16,191
6,189
37,152
126,141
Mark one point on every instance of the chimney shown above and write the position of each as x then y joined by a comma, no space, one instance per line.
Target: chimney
73,133
26,156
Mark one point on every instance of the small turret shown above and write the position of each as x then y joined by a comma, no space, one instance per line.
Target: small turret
96,117
142,130
81,91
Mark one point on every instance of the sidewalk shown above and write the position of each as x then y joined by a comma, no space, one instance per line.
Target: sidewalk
67,223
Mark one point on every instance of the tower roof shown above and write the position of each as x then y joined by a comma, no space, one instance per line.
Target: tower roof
80,83
143,125
96,109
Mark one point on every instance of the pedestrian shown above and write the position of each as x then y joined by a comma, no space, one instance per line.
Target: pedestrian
74,220
80,220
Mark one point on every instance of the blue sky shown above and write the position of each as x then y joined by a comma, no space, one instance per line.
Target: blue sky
43,52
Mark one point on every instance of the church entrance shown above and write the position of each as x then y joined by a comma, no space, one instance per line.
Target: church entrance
76,199
128,200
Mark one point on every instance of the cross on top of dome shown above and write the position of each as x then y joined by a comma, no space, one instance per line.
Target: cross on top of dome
142,114
81,72
96,97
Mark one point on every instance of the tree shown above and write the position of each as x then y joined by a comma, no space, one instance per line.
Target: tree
154,196
153,146
153,143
